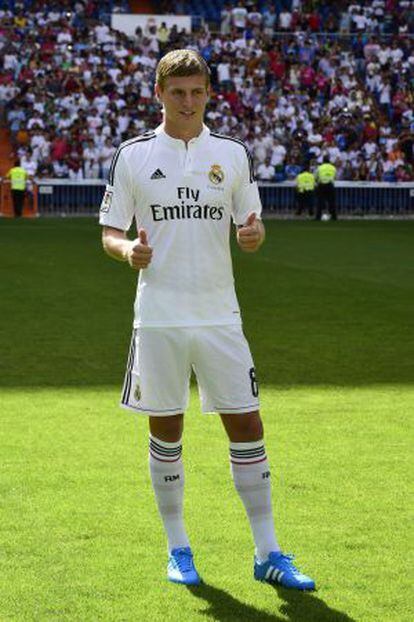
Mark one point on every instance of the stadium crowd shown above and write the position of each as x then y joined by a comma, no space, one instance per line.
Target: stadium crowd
295,80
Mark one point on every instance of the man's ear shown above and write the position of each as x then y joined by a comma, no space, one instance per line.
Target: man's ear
158,93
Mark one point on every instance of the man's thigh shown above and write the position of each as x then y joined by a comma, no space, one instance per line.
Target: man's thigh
158,372
225,370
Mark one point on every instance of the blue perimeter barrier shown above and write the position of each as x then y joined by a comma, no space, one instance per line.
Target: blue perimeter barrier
64,197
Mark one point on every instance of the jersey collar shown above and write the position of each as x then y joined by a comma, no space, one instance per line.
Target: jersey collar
177,142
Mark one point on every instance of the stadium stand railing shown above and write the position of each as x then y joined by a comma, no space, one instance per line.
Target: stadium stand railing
352,198
82,198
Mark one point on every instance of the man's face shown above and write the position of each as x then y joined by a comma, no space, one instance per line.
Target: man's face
184,99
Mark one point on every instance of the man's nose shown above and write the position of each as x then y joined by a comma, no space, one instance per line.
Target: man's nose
188,100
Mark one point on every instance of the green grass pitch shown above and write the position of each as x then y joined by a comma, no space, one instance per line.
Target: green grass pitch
328,310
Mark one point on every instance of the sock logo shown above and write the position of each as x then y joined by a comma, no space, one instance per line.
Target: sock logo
266,475
171,478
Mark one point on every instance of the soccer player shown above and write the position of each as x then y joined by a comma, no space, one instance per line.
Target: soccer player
183,185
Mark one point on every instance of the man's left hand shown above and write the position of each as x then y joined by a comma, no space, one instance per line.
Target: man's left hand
250,236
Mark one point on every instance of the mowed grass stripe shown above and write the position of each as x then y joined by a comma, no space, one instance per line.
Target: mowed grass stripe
81,539
310,299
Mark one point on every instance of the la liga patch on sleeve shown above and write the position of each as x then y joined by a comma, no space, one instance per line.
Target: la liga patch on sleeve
107,200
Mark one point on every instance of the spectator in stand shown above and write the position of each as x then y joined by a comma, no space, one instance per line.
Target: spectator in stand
239,16
406,142
269,20
106,154
278,154
60,168
292,168
39,143
266,171
285,21
314,21
226,19
404,172
254,17
90,152
28,162
59,147
359,20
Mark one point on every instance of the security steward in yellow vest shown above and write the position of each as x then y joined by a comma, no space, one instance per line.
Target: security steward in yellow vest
305,191
18,178
325,175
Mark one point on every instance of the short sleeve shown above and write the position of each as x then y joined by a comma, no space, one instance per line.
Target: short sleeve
246,198
117,207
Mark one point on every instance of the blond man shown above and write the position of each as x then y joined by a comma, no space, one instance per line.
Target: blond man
184,185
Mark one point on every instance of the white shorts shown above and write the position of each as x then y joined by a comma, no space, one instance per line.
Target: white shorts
161,361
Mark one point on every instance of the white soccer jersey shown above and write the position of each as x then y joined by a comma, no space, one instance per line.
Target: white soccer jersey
184,196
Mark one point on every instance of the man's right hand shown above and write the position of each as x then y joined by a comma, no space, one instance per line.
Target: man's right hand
139,253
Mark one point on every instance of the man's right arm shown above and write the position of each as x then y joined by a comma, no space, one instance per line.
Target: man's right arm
136,252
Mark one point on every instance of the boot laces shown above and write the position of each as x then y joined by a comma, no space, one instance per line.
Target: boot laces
184,560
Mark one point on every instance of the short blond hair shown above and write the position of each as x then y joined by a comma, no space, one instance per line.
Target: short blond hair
181,63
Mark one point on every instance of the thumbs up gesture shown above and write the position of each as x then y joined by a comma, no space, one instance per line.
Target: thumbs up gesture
140,252
251,235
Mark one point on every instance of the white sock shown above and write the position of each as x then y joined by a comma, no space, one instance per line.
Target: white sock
167,476
251,476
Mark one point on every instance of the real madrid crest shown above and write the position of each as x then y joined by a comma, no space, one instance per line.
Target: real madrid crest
216,174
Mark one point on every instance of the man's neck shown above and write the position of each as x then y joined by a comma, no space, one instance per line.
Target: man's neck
182,134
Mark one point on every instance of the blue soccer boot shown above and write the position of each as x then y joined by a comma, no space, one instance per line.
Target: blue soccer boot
279,569
181,567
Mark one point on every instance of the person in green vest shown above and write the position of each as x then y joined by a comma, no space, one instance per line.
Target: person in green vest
163,33
305,191
18,179
325,176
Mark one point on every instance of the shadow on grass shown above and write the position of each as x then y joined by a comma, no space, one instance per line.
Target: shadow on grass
306,606
297,607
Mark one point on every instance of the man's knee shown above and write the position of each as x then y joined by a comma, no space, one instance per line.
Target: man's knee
168,429
243,428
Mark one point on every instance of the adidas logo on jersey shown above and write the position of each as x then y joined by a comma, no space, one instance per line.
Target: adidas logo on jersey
158,174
